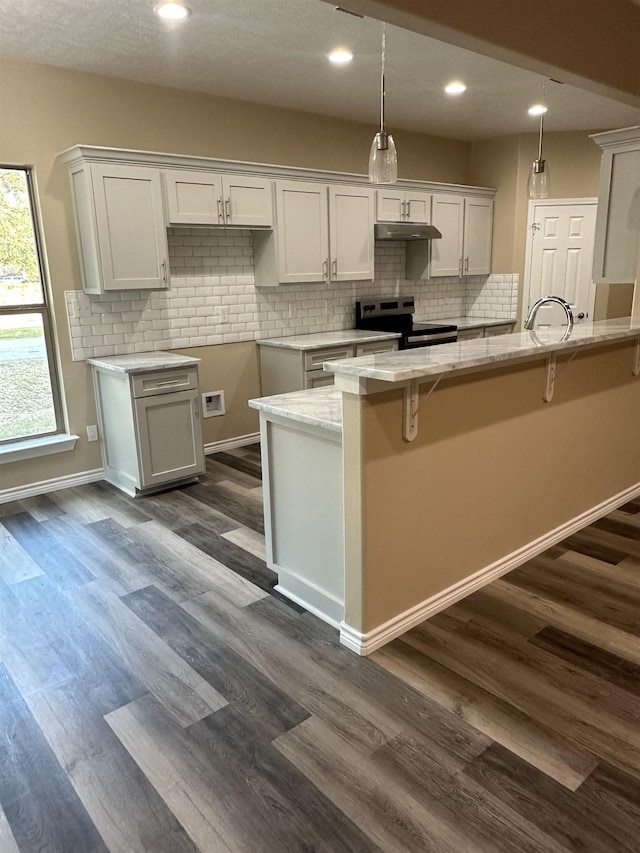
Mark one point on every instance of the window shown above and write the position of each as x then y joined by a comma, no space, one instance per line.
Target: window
29,396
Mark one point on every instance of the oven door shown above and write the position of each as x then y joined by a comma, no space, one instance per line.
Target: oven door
428,339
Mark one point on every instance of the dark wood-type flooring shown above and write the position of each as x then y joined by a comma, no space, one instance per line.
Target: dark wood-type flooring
156,695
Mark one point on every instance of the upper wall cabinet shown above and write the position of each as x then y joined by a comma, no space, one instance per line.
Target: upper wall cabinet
403,206
324,233
121,228
466,225
209,198
615,257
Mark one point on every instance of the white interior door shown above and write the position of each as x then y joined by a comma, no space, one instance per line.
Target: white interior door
559,258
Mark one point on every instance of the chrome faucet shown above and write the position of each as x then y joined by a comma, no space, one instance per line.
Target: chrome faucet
531,316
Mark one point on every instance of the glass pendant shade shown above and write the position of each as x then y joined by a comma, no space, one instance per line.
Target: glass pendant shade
383,161
539,179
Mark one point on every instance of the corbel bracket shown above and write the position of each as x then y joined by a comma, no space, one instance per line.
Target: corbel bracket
411,406
550,380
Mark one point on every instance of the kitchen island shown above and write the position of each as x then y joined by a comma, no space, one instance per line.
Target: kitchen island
454,464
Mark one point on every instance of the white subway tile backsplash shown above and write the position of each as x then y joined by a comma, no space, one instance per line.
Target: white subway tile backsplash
187,314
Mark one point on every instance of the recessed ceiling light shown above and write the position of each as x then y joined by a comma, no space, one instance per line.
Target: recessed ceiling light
172,11
455,88
340,56
537,110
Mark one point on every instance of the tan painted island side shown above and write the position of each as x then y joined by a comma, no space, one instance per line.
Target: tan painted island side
494,476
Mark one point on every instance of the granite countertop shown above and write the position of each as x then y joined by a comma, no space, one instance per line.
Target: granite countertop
431,362
320,340
317,406
141,362
464,323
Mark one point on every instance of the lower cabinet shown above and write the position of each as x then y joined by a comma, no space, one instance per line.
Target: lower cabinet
150,427
484,332
285,369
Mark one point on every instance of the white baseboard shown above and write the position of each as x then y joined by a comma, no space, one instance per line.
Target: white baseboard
318,601
364,644
229,443
33,489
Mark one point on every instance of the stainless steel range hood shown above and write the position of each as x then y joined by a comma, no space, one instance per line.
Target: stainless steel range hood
405,231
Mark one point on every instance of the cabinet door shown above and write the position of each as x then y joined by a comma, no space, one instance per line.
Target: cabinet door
417,207
615,257
446,252
193,198
372,348
351,233
247,201
318,379
478,229
493,331
470,334
303,231
132,238
169,437
389,206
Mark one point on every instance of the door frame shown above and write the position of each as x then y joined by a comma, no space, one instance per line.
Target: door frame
528,251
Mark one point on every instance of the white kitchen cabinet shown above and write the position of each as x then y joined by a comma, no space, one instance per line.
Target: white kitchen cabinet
149,425
470,334
323,233
120,226
617,239
485,331
493,331
466,225
403,206
292,368
210,198
477,235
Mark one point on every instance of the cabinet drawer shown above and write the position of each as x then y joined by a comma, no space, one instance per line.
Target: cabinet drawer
318,379
491,331
470,334
372,348
164,381
314,360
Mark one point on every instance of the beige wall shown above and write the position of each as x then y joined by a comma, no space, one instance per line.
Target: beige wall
573,160
44,110
492,459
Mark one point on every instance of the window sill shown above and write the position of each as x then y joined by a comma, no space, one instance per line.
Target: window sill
30,449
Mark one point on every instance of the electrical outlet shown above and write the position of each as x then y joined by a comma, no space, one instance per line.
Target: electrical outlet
92,433
83,308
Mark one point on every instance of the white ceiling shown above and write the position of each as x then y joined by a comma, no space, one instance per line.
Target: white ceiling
274,52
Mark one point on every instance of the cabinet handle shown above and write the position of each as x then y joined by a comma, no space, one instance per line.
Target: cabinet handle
334,268
167,382
220,215
403,215
164,271
196,408
227,208
460,267
325,269
466,265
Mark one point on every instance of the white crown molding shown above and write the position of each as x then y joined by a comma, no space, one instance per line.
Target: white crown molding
96,154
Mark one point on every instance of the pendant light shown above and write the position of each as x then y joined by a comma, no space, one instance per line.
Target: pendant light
539,175
383,161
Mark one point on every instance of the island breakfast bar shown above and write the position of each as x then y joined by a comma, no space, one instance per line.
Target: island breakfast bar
425,474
